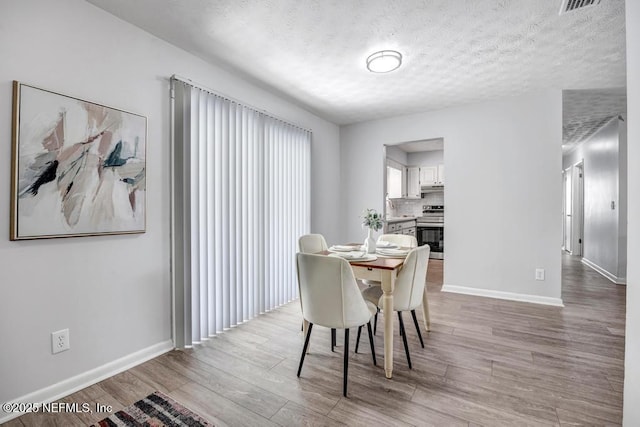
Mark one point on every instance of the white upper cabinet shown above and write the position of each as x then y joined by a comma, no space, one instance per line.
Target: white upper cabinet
432,175
413,183
441,174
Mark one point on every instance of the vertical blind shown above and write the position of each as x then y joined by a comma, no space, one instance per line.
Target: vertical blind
240,202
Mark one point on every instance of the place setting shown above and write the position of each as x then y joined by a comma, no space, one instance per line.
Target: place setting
345,248
356,252
383,244
351,253
390,250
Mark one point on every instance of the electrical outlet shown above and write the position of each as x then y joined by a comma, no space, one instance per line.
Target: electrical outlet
539,273
60,341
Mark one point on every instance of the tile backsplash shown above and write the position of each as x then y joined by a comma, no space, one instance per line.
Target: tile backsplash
413,207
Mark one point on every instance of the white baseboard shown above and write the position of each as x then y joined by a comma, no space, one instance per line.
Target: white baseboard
85,379
615,279
503,295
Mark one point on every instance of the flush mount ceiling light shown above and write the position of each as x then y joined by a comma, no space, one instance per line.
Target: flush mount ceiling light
384,61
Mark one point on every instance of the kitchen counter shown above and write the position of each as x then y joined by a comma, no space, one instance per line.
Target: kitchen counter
395,219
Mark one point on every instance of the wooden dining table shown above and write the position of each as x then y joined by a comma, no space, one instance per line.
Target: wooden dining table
385,270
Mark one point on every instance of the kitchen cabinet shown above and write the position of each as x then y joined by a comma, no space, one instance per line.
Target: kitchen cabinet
432,175
413,183
403,227
441,174
411,231
428,175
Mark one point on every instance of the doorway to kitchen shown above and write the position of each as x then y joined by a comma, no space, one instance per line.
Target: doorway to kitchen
413,191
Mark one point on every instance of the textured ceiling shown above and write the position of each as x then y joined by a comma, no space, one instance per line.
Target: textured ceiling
455,51
586,111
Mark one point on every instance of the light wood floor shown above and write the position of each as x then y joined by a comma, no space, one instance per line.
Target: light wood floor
486,362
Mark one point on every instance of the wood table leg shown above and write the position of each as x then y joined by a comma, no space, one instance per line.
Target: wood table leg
425,310
388,282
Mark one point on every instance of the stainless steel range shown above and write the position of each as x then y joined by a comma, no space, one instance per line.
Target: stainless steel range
430,229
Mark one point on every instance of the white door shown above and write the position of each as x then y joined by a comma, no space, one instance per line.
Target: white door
567,210
577,218
413,183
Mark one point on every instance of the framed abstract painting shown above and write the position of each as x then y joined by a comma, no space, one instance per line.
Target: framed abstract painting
78,168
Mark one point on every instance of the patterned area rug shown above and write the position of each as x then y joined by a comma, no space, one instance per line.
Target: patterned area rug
155,410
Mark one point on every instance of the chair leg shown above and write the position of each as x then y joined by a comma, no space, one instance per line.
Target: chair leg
404,338
375,322
415,322
346,362
333,338
304,349
358,337
373,350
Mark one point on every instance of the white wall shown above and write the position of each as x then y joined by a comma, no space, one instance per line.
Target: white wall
503,196
112,292
631,415
603,154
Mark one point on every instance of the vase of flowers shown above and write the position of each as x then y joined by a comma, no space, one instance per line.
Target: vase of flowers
373,221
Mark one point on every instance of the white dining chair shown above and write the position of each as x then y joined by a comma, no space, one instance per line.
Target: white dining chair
408,293
331,298
312,243
403,240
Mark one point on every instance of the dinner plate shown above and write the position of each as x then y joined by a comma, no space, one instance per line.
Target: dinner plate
350,257
386,245
393,252
343,248
351,254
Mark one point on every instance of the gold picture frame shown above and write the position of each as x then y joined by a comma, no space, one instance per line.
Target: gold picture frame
78,168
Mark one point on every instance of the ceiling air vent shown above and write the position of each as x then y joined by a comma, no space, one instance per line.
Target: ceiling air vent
573,5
